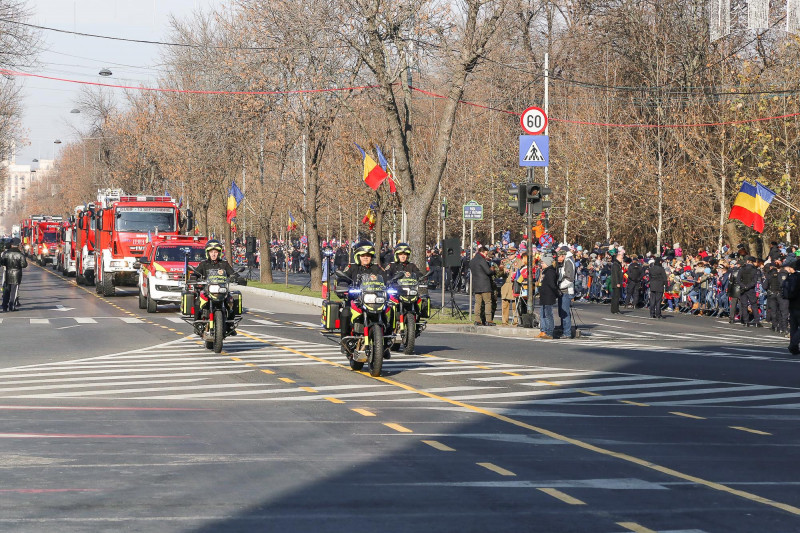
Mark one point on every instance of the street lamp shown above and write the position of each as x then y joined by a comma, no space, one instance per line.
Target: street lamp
105,72
75,111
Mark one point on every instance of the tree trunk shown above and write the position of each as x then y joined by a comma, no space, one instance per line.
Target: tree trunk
265,234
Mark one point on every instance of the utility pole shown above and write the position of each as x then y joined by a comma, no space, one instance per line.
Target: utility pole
530,247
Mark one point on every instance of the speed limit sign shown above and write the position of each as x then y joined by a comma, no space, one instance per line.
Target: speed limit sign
533,120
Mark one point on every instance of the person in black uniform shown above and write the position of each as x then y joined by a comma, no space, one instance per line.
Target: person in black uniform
658,280
402,254
364,255
616,283
748,277
214,260
774,278
635,275
14,261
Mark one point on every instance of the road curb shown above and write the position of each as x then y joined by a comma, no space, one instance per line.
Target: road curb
277,295
494,331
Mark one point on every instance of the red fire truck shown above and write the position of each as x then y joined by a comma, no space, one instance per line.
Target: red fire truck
26,233
84,244
122,226
44,238
65,251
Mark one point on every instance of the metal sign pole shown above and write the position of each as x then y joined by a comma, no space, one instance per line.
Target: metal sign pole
471,256
529,231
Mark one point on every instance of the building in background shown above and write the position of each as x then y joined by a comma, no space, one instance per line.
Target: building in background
20,181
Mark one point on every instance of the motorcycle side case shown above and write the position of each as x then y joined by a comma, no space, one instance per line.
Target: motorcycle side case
330,314
425,307
187,303
238,305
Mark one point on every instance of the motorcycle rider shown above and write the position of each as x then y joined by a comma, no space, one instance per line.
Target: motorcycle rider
364,255
213,261
402,253
14,261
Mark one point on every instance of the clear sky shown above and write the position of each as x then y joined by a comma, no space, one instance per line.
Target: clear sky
47,104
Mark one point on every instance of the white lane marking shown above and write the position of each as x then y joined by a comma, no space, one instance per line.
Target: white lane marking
40,320
175,320
107,371
87,385
553,392
130,320
529,375
85,320
81,379
682,392
309,324
736,399
591,380
113,392
262,322
67,327
754,350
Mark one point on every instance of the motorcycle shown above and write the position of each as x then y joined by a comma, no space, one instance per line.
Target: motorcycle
213,310
408,295
372,321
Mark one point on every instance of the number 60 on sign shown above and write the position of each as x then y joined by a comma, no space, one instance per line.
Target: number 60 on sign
533,120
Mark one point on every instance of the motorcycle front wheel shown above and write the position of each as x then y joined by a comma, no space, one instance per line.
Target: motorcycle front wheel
410,333
376,343
219,331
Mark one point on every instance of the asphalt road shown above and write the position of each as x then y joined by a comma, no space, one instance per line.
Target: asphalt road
116,419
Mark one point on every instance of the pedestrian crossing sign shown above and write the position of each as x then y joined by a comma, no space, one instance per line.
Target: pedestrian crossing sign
534,150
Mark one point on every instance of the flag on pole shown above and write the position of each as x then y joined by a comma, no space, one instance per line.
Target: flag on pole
235,197
369,218
374,175
750,205
385,166
292,225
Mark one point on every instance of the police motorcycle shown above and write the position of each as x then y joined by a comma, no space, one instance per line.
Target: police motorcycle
412,307
372,320
210,306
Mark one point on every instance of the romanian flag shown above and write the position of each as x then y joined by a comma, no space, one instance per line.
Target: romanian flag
292,225
235,197
369,218
374,175
385,166
750,205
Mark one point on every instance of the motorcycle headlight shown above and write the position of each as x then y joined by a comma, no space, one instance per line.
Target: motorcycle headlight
412,292
354,292
214,289
222,290
374,298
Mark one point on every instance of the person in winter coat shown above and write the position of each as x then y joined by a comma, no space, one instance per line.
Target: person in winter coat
548,297
658,281
482,287
734,289
508,267
748,278
14,261
616,283
634,289
566,286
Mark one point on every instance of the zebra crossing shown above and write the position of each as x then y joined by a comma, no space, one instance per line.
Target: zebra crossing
185,370
19,321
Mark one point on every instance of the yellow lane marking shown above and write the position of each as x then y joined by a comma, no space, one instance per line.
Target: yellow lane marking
251,364
547,382
589,393
635,403
439,446
236,359
566,498
483,367
636,528
335,400
512,373
453,361
363,412
308,389
563,438
687,415
171,329
397,427
286,380
757,432
267,371
494,468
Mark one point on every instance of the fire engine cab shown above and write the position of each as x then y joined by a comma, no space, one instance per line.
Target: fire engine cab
122,226
84,244
45,239
161,268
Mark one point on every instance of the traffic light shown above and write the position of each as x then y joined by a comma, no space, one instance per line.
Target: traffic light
517,198
536,193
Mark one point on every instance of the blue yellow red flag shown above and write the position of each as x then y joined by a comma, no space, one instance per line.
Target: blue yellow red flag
385,166
374,175
751,204
235,197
